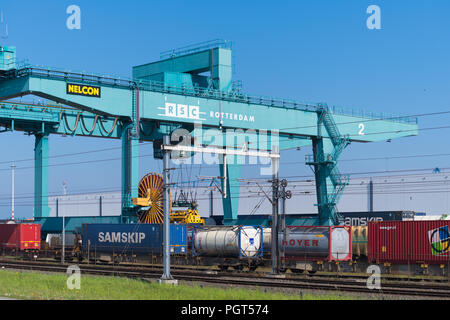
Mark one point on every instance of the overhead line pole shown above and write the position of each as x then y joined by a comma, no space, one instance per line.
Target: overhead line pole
275,225
166,277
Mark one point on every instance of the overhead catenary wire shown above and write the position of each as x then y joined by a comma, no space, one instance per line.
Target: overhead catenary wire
376,158
299,127
308,194
287,177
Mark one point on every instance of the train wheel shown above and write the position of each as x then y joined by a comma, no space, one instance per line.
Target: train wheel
223,268
312,271
238,267
252,268
297,271
283,270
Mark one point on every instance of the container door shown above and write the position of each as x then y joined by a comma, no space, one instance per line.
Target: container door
340,244
250,241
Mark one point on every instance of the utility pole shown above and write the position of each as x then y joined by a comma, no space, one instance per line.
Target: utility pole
63,252
211,204
283,195
276,196
12,191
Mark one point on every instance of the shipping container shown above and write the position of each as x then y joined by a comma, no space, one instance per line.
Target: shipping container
313,243
23,236
419,214
363,218
54,240
409,242
132,238
434,217
359,241
236,241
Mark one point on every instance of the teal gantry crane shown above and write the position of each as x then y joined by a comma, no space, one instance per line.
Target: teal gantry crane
189,89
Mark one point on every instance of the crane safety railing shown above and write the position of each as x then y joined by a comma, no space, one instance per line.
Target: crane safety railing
234,95
31,106
211,44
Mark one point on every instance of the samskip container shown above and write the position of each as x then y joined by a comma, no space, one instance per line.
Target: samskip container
363,218
133,238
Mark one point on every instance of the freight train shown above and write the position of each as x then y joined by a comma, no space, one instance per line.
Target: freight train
412,247
20,239
236,246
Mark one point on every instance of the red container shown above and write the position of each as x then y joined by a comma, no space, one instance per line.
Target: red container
403,242
20,236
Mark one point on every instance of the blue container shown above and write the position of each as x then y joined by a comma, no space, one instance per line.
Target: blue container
133,238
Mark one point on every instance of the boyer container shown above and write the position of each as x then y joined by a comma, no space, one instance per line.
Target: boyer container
404,242
22,236
133,238
313,243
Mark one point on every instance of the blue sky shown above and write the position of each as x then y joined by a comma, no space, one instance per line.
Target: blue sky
318,51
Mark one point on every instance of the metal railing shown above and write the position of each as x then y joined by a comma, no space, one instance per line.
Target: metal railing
211,44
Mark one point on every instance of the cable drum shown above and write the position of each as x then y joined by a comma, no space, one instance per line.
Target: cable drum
151,187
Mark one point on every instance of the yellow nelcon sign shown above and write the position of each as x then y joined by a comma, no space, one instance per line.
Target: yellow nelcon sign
83,90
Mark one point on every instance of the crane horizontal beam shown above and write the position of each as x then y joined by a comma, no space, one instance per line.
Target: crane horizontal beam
57,120
212,109
226,151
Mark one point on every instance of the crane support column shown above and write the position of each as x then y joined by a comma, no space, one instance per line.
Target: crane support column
321,172
330,183
130,171
231,171
41,153
166,277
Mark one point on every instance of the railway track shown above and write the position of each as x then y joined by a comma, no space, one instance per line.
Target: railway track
259,273
354,285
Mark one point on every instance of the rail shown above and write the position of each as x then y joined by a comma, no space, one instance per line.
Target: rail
352,284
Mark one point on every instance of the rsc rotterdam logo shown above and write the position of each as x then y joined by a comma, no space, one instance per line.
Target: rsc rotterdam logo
83,90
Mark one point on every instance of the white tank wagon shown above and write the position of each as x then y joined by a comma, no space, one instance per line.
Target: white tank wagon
237,241
54,240
310,247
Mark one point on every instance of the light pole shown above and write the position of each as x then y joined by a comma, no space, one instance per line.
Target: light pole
12,191
63,253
